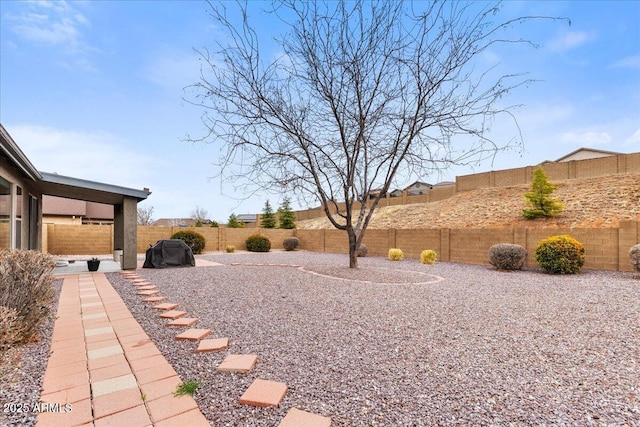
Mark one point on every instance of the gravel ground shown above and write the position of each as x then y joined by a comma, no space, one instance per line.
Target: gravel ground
22,371
477,347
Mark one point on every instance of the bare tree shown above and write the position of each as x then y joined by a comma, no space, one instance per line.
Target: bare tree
359,92
145,215
199,214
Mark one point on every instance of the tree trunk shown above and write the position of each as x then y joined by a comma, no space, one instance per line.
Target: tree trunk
353,256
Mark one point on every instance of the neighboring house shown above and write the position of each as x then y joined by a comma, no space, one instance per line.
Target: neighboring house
247,218
23,187
396,193
58,210
418,188
586,153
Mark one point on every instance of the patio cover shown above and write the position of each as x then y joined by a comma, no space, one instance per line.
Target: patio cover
169,253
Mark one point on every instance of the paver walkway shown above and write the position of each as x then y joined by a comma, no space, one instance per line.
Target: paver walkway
103,369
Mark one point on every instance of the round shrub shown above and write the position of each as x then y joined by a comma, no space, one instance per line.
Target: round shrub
428,256
258,243
634,257
507,256
395,254
230,249
560,255
194,240
362,251
290,243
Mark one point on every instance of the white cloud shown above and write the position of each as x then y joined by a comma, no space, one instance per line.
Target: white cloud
570,40
635,138
95,156
174,71
53,24
632,61
587,138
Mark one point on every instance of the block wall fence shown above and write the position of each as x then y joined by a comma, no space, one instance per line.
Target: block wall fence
556,171
606,248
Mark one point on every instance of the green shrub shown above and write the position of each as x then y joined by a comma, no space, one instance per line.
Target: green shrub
258,243
507,256
230,249
187,387
395,254
287,217
541,204
634,257
233,222
560,255
214,224
362,251
290,243
194,240
428,256
26,294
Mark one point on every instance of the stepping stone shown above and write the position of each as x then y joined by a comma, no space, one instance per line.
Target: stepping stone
140,279
141,284
147,288
193,334
235,263
238,363
165,306
213,345
296,417
264,393
172,314
154,299
183,321
149,293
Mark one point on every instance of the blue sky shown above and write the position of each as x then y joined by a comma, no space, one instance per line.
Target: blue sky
94,90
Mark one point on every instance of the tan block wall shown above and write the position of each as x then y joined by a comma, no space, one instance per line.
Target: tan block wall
509,177
596,167
472,182
79,239
605,249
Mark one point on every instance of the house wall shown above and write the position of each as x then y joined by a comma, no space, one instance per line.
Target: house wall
606,248
9,173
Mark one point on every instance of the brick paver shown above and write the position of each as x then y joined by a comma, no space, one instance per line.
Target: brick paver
264,393
212,345
172,314
193,334
297,418
182,322
238,363
103,369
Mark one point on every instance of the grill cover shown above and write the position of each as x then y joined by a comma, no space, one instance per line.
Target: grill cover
169,253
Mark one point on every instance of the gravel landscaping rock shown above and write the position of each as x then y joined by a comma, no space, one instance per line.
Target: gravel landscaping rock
480,347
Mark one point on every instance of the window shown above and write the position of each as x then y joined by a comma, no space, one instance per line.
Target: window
5,214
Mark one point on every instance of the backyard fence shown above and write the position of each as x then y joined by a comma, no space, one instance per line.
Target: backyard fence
606,248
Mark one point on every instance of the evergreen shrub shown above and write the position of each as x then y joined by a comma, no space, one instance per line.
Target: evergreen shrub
194,240
560,255
258,243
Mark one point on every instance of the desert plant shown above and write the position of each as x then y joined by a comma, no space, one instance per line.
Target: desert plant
290,243
560,255
428,256
230,249
507,256
268,219
194,240
539,198
233,222
634,257
187,387
287,215
26,294
258,243
395,254
214,224
362,251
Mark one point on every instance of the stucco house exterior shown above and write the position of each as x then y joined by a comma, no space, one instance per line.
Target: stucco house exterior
23,187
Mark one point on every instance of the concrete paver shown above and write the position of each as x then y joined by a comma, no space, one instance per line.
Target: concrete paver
238,363
264,393
98,351
297,418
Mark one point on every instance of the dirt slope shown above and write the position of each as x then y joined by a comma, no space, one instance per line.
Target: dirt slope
599,202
